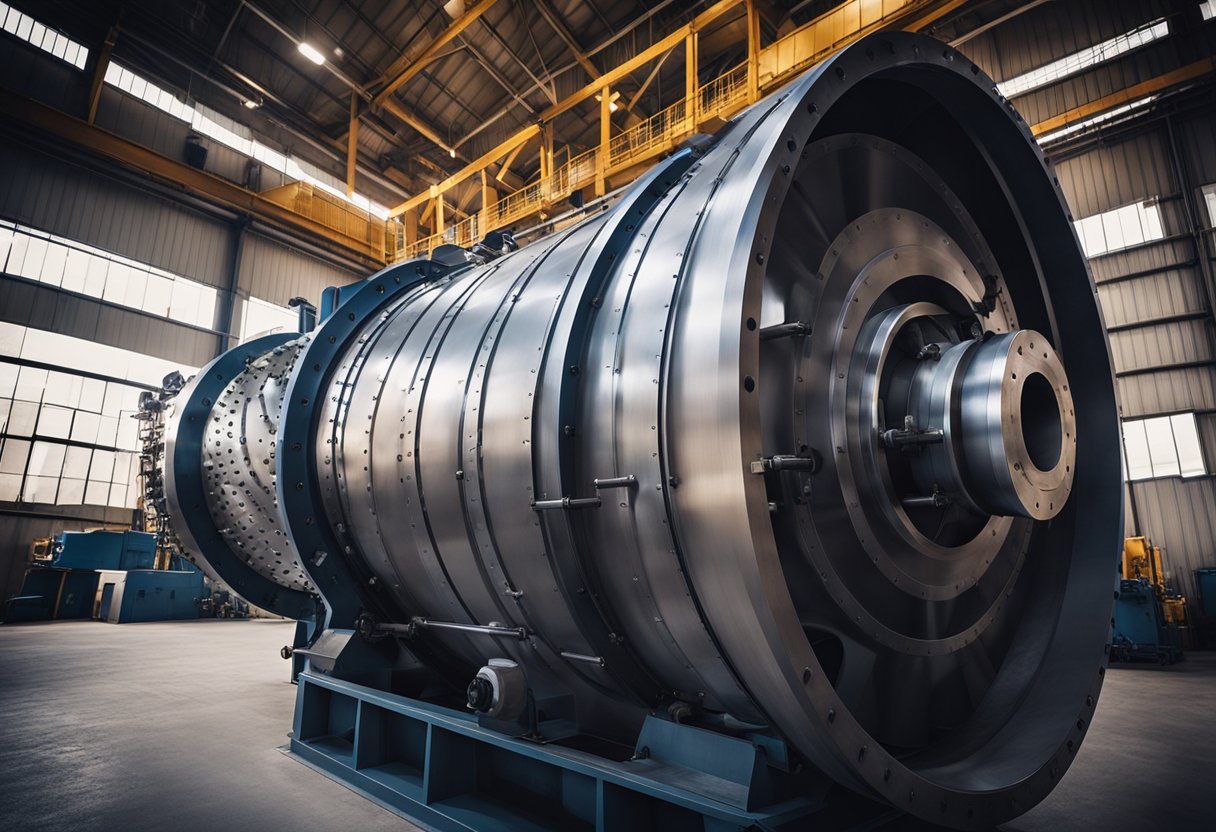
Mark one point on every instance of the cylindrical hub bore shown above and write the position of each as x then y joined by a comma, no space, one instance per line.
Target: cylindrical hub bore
990,423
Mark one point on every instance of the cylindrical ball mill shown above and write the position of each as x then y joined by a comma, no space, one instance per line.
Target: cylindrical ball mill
813,432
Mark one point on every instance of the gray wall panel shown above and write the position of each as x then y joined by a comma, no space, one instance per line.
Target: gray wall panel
1055,29
1168,391
1145,347
1172,292
1110,176
134,119
36,74
276,273
45,307
49,194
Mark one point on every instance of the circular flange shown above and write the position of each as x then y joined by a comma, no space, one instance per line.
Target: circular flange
1007,702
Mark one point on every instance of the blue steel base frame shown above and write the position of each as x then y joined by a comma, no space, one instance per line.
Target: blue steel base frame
441,769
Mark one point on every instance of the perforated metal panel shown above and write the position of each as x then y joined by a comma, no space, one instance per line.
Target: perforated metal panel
240,475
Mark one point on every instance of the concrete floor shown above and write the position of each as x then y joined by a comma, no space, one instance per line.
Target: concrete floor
177,725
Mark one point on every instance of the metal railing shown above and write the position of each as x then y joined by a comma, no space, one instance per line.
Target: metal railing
720,98
332,212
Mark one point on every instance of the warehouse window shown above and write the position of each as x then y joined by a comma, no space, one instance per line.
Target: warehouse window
1208,9
89,357
1163,446
1109,115
43,37
1209,199
235,135
1084,59
259,317
67,435
76,267
1120,228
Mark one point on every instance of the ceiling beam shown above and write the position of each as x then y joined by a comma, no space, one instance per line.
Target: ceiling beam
404,68
468,170
78,133
400,112
640,60
606,80
99,71
566,35
1189,72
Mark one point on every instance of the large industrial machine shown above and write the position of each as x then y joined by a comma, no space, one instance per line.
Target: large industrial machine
108,574
750,494
1150,617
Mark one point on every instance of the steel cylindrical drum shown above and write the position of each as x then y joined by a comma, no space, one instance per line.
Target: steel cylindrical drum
793,434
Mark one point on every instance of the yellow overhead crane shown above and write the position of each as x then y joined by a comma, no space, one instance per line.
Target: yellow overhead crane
431,218
620,157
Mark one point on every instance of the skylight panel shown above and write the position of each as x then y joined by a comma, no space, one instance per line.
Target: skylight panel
234,135
1084,59
1101,118
42,37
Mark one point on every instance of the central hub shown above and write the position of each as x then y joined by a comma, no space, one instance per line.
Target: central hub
986,423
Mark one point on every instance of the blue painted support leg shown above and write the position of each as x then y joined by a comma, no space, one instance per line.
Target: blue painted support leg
438,767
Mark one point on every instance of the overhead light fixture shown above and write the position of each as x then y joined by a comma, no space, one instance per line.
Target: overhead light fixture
452,152
612,105
250,104
311,52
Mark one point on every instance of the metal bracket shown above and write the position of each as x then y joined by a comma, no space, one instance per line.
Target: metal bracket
627,481
566,503
936,500
786,330
912,438
809,463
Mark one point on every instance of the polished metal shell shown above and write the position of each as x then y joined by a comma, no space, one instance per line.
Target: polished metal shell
654,442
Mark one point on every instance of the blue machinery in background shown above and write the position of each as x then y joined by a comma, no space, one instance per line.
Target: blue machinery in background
1141,631
108,575
696,514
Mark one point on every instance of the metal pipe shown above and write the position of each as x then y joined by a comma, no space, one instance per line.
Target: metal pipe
520,633
787,330
580,657
566,503
627,481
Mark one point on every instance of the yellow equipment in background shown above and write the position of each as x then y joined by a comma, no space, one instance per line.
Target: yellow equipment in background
1141,559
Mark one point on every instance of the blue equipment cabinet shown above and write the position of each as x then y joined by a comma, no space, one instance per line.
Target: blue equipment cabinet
53,594
1141,632
150,595
103,549
1205,579
108,575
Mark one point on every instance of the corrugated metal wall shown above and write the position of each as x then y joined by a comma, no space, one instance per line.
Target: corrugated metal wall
46,307
1156,297
135,120
51,194
48,190
276,272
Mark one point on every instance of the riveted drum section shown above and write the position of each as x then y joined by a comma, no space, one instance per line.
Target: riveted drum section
788,442
239,467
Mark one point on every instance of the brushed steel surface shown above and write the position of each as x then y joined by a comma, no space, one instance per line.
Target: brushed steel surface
576,442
